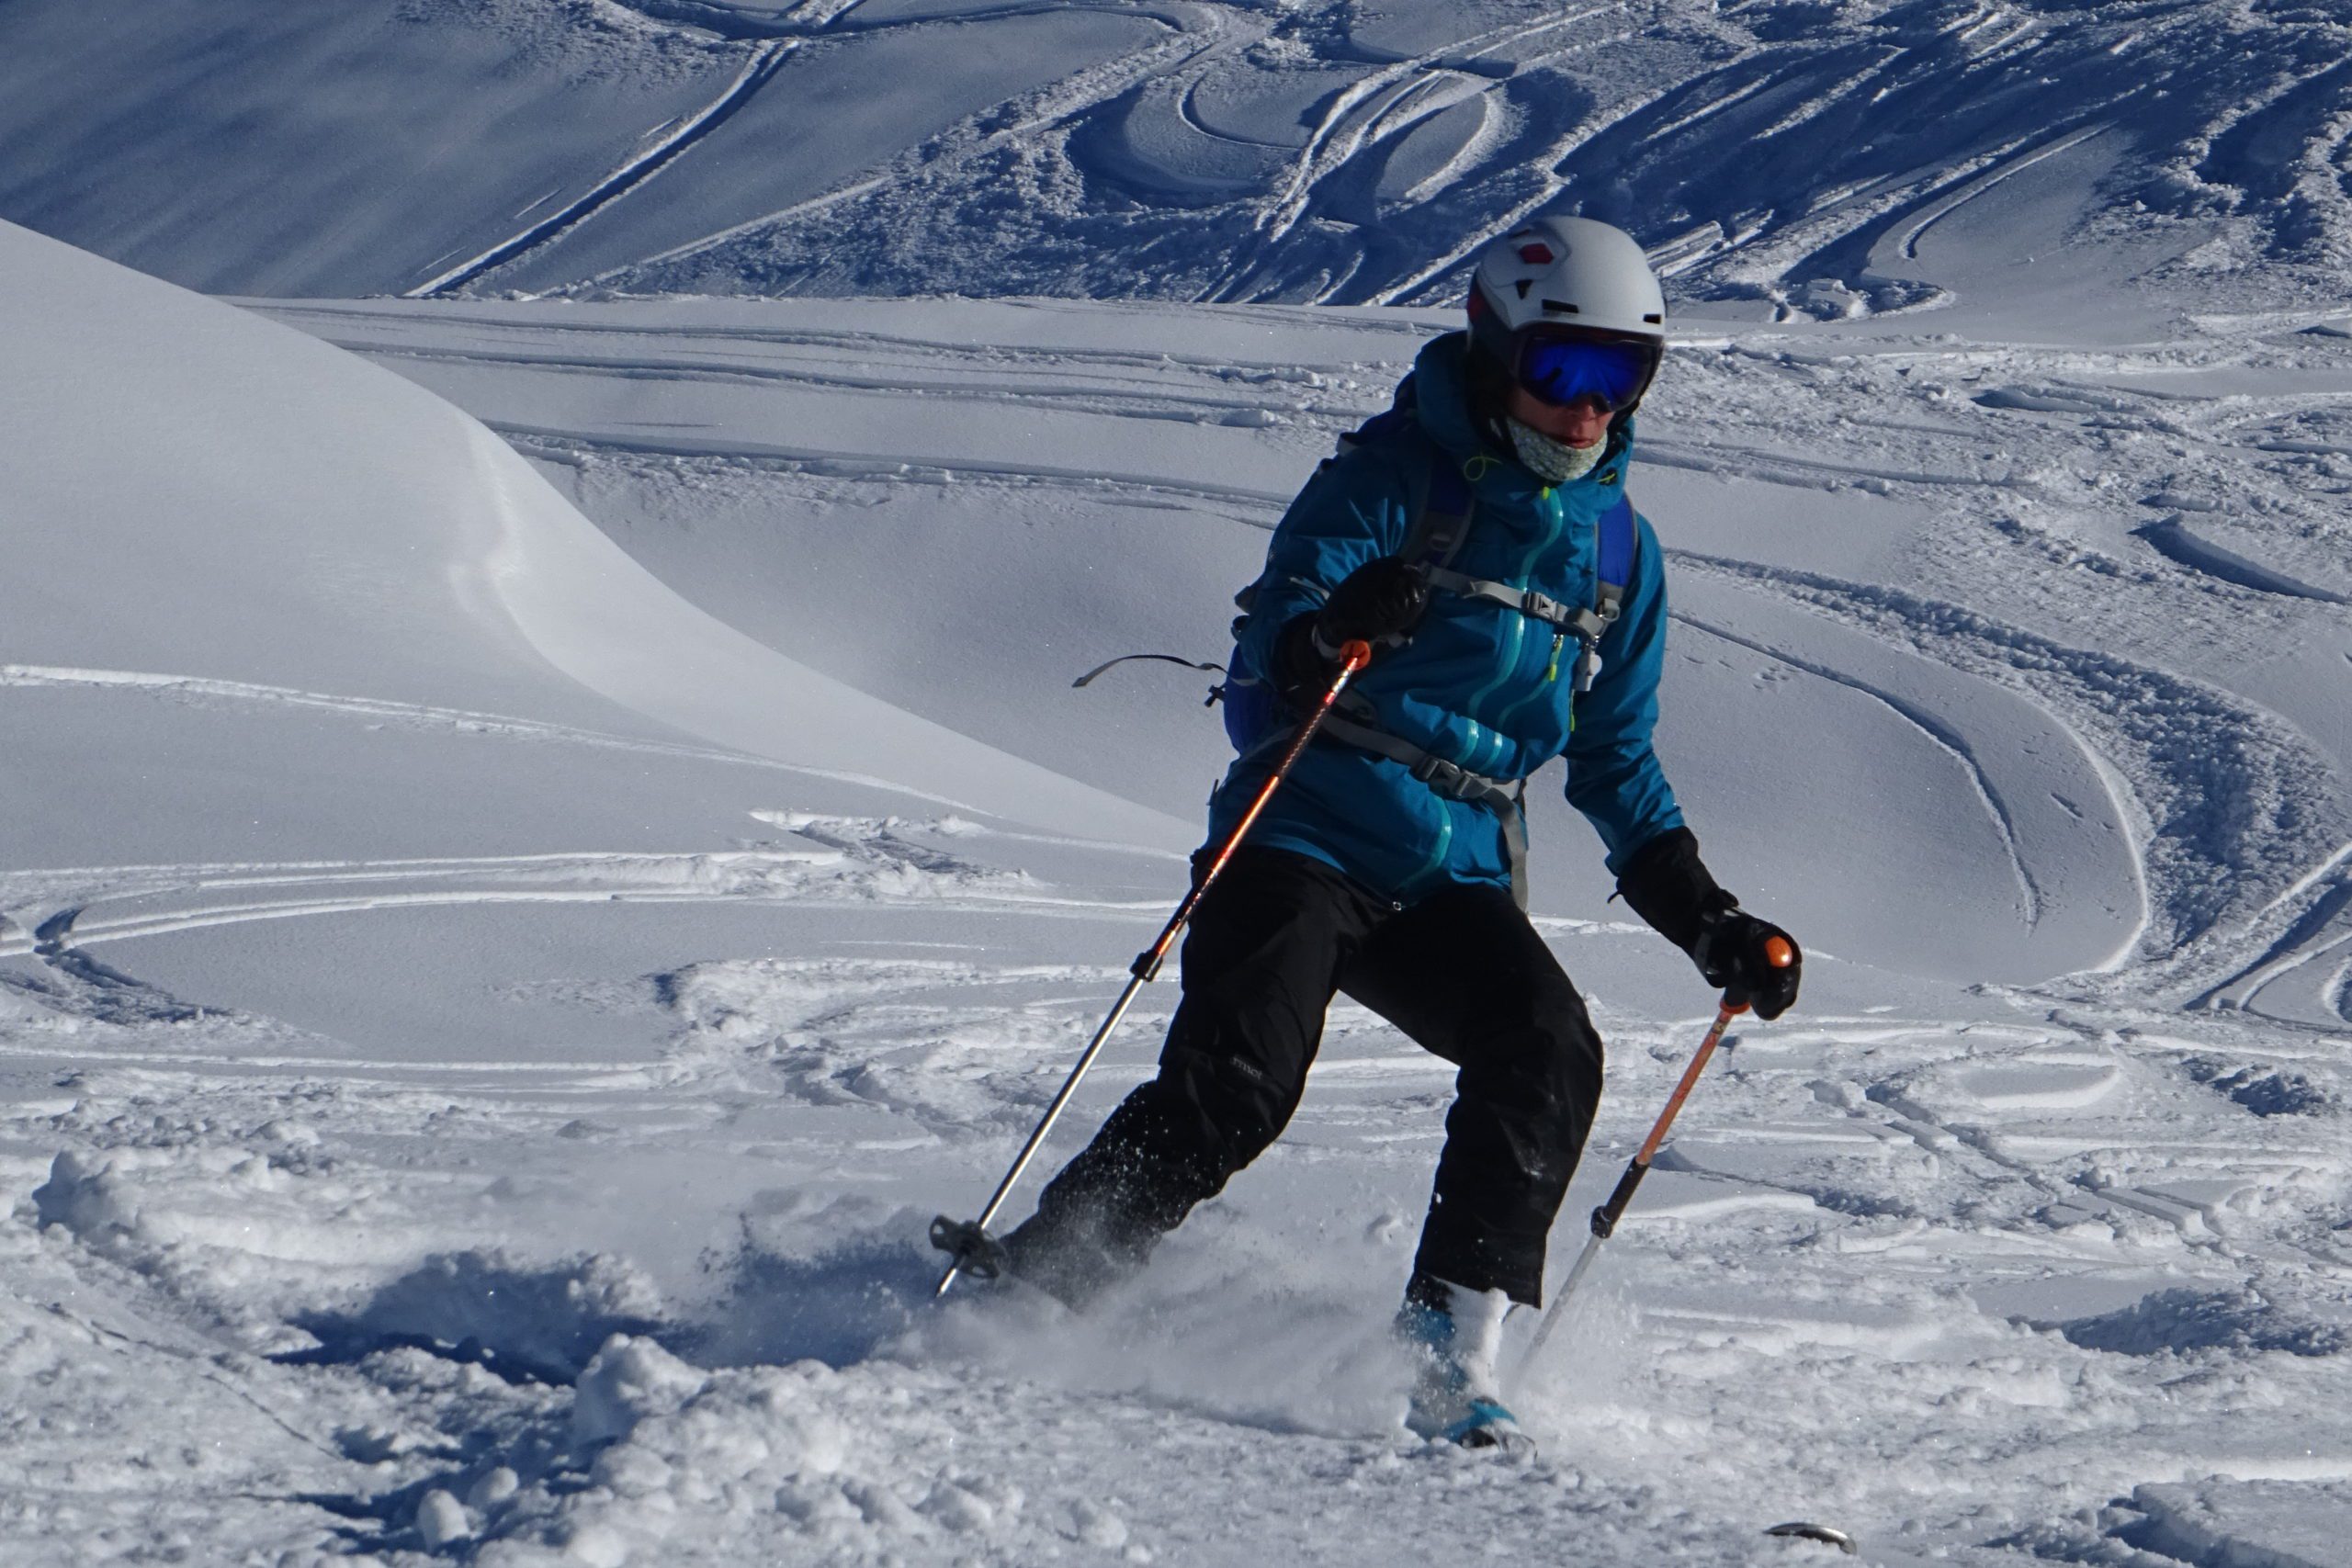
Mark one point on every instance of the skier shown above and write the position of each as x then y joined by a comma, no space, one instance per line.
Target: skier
1468,537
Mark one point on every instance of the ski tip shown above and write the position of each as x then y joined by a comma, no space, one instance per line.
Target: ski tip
1802,1530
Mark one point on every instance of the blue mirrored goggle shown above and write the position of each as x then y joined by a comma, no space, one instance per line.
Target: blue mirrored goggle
1562,370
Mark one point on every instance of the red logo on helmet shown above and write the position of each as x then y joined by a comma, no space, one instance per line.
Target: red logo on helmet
1536,255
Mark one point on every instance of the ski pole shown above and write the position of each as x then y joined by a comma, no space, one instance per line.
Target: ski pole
964,1241
1780,953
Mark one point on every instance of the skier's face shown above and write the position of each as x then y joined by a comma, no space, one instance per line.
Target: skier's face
1579,423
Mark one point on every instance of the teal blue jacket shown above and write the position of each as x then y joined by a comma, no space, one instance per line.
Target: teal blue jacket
1480,685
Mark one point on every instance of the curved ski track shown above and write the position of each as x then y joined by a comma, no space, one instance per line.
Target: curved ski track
1750,143
765,61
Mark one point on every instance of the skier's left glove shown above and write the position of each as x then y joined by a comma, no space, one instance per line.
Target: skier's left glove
1669,886
1735,952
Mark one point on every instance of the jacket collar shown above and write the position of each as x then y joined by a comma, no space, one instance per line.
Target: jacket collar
1441,400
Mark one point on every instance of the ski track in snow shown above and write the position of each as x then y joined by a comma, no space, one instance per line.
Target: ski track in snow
1240,149
378,710
1938,733
166,900
762,64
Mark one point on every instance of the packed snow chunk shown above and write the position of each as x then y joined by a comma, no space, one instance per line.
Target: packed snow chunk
87,1198
630,1380
966,1507
2275,1091
1092,1525
2243,1524
765,1452
883,1509
441,1519
595,1546
496,1487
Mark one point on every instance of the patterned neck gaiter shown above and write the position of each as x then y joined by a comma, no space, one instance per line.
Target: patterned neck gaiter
1553,462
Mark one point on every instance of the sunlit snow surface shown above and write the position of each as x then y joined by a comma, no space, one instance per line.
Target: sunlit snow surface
1800,155
392,1018
506,942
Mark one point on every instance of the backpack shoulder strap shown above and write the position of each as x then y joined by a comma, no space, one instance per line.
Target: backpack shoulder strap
1442,504
1620,538
1385,425
1438,498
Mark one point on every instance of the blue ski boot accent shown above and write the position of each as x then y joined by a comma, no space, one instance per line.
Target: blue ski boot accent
1455,1335
1489,1425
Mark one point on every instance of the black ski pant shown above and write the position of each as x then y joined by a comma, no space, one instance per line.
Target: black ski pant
1461,973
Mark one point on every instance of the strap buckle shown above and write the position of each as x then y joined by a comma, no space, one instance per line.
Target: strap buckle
1436,772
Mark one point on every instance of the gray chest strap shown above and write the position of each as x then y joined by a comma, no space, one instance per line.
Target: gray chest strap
1585,625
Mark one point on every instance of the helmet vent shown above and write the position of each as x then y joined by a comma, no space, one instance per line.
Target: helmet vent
1561,306
1525,285
1655,320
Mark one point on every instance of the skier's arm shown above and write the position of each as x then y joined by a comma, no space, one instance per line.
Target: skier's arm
1352,512
1613,774
1668,886
1614,779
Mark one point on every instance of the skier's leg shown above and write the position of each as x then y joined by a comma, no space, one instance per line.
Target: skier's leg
1466,976
1259,965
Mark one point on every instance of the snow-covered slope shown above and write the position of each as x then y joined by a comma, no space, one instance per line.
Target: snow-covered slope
420,972
1808,153
813,471
508,928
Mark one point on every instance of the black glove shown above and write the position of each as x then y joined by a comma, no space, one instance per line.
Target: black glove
1736,949
1668,886
1377,604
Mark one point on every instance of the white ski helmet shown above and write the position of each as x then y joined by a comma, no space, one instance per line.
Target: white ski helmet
1574,278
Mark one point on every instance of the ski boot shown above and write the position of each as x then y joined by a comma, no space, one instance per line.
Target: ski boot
1455,1335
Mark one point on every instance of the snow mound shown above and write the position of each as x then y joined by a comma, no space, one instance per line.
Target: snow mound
88,1198
2185,1321
298,519
629,1381
2265,1091
2243,1524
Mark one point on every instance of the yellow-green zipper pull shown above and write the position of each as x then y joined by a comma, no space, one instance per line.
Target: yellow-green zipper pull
1558,640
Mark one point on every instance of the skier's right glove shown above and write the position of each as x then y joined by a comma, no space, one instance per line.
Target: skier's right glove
1377,604
1669,886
